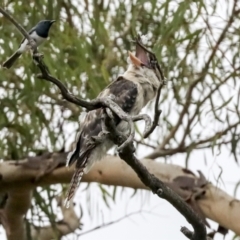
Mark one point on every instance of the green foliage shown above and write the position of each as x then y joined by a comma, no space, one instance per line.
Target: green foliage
88,48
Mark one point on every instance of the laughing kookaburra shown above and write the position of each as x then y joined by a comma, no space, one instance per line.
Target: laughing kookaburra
131,91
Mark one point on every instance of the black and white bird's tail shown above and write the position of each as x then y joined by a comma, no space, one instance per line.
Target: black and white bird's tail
11,60
76,178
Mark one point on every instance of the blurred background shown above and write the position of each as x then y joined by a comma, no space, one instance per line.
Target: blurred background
197,45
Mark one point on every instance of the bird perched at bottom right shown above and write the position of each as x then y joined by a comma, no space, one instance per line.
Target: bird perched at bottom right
132,91
39,33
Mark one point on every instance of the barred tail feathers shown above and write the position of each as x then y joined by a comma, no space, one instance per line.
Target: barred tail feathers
77,176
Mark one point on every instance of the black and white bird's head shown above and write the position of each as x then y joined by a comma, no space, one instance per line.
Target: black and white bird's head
43,27
145,62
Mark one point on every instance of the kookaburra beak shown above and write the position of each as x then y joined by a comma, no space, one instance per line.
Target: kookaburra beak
136,61
141,58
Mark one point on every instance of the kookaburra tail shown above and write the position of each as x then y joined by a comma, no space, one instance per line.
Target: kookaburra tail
132,91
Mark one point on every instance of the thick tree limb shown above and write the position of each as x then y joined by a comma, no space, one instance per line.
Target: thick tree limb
215,204
17,205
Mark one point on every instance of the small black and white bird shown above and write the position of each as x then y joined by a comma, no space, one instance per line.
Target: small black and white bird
132,91
39,33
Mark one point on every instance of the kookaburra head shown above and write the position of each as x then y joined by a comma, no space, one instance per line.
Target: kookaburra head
132,91
146,61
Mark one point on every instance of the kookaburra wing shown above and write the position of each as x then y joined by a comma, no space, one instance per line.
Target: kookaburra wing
131,91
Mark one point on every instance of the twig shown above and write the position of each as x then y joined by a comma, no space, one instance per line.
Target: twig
200,104
145,144
109,223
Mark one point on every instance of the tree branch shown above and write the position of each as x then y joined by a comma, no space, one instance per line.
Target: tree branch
194,145
159,188
17,205
152,182
113,171
156,185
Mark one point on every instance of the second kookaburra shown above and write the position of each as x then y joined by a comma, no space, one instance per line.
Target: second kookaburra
132,91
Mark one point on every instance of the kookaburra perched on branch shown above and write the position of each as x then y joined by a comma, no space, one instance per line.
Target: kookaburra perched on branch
131,91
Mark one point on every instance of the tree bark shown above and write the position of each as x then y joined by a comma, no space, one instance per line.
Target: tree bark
17,205
214,203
